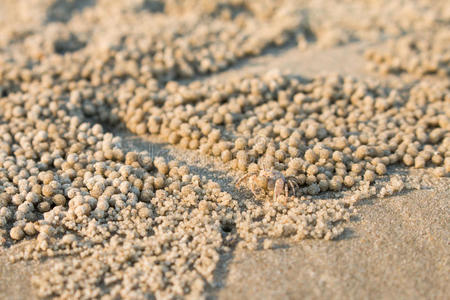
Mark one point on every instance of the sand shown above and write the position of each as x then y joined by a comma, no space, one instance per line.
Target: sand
396,248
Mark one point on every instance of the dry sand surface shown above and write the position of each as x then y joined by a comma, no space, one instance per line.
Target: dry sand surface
125,127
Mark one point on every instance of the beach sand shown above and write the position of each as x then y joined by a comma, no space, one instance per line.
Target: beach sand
396,247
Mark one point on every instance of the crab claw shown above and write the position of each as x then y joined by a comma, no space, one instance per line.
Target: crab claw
240,180
278,189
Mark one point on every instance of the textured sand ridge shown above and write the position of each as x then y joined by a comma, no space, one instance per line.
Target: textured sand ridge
125,126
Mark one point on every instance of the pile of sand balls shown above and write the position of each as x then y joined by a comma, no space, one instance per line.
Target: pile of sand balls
142,225
129,40
417,54
326,24
139,225
185,38
330,132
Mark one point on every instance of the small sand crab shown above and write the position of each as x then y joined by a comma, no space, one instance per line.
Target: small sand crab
270,180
